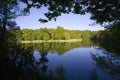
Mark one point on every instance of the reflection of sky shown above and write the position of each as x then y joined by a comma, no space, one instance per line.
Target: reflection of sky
69,21
77,62
37,55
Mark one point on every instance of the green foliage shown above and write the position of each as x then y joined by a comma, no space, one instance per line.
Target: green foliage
19,62
102,11
17,33
75,34
109,37
66,35
86,35
55,34
9,10
45,36
54,47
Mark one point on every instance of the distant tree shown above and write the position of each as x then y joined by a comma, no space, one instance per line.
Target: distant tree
57,34
45,36
66,35
18,34
27,34
60,28
75,34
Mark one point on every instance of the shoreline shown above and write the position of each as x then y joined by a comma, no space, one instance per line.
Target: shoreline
56,41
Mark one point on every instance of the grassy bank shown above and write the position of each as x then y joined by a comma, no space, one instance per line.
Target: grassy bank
42,41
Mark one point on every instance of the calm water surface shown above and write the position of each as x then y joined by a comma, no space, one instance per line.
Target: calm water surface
60,61
77,62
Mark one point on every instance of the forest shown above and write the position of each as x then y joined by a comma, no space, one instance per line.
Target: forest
17,61
52,34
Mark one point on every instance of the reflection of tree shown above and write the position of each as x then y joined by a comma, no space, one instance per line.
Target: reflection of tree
93,74
60,48
43,60
109,60
109,63
109,39
49,75
60,72
18,62
15,62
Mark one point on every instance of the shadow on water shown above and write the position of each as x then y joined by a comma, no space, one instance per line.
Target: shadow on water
20,64
17,61
59,48
108,60
108,63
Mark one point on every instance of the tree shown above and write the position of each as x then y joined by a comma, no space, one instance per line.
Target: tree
45,36
66,35
59,32
109,38
102,11
27,34
18,34
9,10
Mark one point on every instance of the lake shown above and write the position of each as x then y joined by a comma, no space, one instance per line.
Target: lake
76,61
65,61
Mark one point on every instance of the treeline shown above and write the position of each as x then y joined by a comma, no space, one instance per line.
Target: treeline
52,34
109,39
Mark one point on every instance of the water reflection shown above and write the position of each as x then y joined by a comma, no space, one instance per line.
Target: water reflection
58,61
15,62
93,74
108,63
60,48
73,61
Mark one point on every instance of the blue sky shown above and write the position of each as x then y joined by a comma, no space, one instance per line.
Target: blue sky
68,21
